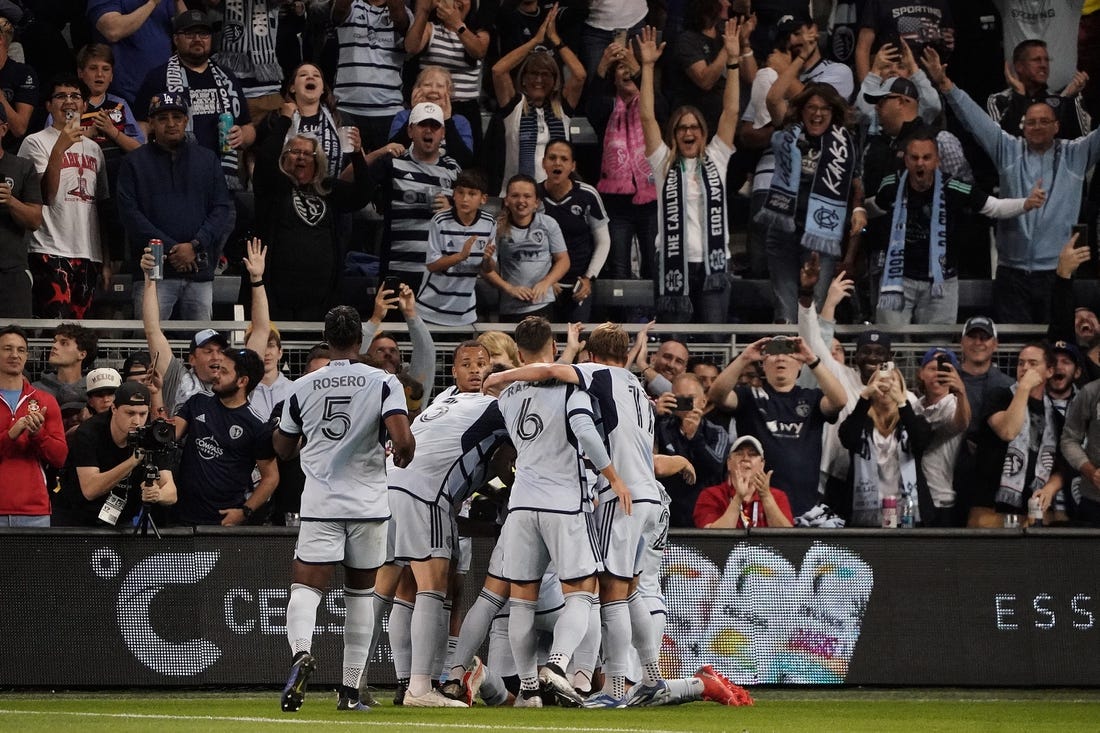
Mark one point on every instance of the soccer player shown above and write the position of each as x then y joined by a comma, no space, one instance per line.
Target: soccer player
344,411
457,436
550,423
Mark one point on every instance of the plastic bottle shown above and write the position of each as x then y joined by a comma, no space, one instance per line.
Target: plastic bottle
907,510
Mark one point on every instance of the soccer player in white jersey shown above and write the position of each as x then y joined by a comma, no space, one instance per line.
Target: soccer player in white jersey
627,531
456,436
550,425
344,411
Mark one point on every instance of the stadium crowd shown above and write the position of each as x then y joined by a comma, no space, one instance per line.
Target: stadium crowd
847,152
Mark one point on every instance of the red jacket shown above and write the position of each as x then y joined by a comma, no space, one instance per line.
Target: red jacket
714,500
22,481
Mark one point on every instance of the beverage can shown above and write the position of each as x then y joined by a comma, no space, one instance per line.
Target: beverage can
1012,521
156,246
1035,511
889,512
225,123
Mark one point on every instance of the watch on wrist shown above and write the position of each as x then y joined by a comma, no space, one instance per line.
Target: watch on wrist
247,511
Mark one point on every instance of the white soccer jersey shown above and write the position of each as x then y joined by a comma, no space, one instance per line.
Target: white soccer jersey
455,437
624,416
368,70
550,474
447,297
340,409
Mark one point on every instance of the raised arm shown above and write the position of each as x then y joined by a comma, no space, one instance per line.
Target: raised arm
574,84
721,391
160,351
731,98
648,54
254,262
503,85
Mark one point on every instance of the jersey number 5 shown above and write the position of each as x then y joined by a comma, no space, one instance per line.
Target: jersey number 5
337,422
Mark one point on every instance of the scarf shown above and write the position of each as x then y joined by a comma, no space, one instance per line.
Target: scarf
891,296
673,295
1014,469
624,169
866,492
176,80
324,130
828,203
248,42
529,134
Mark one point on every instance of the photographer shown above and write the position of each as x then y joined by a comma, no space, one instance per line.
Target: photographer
104,479
682,431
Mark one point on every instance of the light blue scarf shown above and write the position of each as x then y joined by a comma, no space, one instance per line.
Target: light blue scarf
891,296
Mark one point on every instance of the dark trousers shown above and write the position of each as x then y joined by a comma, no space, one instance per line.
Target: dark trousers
1022,297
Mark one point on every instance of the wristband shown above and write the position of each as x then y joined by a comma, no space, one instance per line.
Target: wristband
257,284
733,66
247,510
461,29
859,208
747,54
814,364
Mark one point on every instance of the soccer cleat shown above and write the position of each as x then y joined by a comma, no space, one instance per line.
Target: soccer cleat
471,681
602,700
399,693
716,688
454,690
432,699
295,690
528,699
367,698
643,695
347,703
554,678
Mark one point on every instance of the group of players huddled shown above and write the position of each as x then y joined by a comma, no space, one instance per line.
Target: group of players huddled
579,551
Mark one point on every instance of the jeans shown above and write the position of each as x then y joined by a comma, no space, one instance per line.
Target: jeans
625,221
785,257
24,520
1022,297
195,299
921,307
707,306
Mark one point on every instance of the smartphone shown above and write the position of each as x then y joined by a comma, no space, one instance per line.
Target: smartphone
886,366
941,363
1082,232
392,283
780,345
620,36
685,403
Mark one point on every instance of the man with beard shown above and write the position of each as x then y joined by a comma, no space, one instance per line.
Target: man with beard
222,442
1062,385
1070,320
418,181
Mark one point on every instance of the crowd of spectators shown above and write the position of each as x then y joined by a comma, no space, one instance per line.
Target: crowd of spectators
733,139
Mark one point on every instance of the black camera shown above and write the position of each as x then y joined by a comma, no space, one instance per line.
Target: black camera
157,436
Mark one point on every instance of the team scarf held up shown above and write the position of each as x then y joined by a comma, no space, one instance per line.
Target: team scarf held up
248,40
326,131
891,292
673,291
624,168
176,81
529,133
828,204
1014,469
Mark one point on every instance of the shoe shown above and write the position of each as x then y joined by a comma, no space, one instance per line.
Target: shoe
399,693
432,699
347,703
716,688
528,699
367,698
295,690
454,690
471,681
602,700
643,695
554,678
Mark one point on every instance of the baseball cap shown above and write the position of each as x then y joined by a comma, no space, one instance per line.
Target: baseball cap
874,336
936,351
102,380
789,24
425,111
980,323
205,336
895,85
1067,348
749,441
132,393
190,19
72,406
140,359
167,102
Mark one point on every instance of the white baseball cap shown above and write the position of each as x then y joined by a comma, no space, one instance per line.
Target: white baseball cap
426,111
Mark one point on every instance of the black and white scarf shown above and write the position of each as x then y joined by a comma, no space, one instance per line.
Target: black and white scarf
866,490
673,292
1014,468
891,288
325,131
248,40
529,134
176,80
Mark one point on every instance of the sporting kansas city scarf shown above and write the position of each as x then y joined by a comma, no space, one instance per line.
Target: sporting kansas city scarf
891,295
529,133
176,81
248,40
828,205
672,281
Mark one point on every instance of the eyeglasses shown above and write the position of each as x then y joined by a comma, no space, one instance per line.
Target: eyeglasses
688,128
1039,123
67,96
301,153
818,109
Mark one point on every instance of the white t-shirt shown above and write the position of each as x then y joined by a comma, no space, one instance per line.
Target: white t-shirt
694,216
757,113
940,455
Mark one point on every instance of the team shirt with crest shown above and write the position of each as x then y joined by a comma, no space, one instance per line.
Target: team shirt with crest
455,438
447,297
341,410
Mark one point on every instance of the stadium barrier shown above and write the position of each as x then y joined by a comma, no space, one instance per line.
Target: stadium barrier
92,608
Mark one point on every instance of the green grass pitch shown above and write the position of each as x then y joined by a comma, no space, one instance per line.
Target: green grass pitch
882,711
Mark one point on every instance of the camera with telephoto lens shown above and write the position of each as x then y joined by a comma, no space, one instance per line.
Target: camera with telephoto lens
156,437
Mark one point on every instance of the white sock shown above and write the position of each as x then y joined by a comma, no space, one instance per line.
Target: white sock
643,638
425,631
475,627
382,608
400,641
685,690
358,630
301,617
584,658
521,636
570,627
616,638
